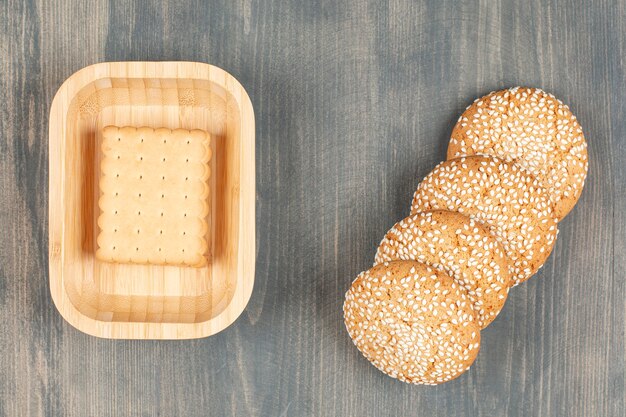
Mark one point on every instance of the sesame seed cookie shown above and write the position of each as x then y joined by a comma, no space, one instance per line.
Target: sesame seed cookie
533,129
412,322
504,197
461,247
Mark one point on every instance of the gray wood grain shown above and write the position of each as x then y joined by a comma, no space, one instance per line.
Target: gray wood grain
353,104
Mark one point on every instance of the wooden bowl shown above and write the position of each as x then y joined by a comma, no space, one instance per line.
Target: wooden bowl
128,301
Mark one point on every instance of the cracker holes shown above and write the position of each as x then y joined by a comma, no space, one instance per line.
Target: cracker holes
141,140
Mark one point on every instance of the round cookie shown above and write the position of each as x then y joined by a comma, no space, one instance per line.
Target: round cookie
533,129
412,322
458,245
504,197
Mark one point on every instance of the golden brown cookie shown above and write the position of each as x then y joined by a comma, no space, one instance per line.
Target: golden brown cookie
458,245
504,197
412,322
154,196
533,129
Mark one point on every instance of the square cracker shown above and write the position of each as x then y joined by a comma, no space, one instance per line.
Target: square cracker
154,196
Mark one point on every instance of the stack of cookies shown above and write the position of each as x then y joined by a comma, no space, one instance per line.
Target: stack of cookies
481,222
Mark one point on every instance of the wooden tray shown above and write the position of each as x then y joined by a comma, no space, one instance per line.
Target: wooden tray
126,301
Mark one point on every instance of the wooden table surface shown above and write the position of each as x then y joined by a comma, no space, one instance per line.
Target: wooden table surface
354,104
